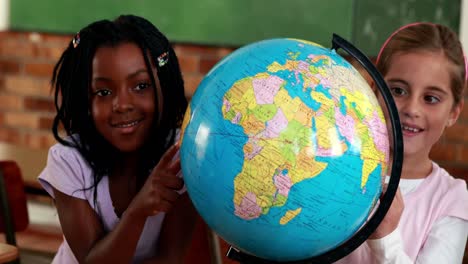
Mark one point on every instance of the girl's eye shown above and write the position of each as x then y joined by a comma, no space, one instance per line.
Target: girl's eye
142,86
102,92
397,91
431,99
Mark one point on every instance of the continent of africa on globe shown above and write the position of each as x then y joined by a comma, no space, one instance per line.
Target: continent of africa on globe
284,147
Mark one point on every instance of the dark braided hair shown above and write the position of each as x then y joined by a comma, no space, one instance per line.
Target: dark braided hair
71,82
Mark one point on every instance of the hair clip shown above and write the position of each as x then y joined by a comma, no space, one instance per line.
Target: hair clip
163,59
76,40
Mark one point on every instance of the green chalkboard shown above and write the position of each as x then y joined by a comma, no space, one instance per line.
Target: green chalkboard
220,22
376,20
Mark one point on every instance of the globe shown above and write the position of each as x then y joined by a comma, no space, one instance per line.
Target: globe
284,148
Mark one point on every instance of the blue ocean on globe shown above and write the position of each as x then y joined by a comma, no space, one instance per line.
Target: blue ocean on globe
284,147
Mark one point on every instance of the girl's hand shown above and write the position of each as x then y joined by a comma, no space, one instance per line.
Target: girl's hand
159,192
391,219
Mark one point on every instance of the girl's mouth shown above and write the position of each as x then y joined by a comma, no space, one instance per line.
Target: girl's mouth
128,124
411,130
127,127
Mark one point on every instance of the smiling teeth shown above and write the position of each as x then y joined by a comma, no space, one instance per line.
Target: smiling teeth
415,130
128,125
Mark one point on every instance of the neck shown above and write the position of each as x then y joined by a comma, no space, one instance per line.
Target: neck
126,164
416,167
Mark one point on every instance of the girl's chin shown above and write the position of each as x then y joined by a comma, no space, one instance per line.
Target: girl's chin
409,152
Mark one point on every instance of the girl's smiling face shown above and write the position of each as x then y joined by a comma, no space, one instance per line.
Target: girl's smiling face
420,85
122,96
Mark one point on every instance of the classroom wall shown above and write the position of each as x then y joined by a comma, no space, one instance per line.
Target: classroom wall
366,23
374,21
214,22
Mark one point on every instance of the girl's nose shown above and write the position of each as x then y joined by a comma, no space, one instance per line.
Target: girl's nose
411,107
123,102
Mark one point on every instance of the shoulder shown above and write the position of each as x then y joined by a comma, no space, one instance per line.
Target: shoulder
447,182
451,193
60,150
66,170
68,155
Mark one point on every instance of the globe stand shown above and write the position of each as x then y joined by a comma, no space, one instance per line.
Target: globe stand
387,198
244,258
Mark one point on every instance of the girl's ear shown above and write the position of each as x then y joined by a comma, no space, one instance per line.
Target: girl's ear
455,113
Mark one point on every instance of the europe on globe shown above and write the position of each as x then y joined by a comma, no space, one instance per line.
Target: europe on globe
284,147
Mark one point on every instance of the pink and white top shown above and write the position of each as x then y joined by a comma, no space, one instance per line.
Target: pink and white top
433,227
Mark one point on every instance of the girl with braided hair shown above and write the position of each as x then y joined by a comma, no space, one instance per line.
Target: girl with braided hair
115,172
